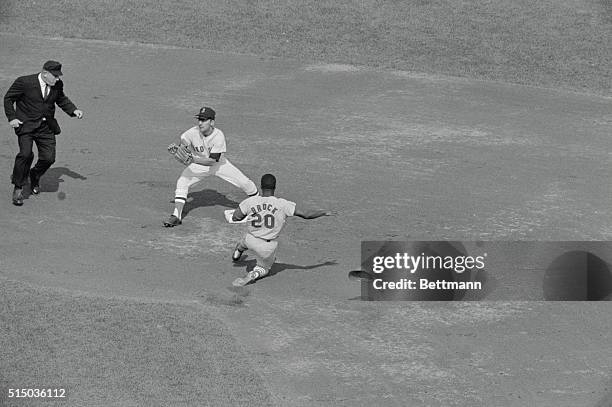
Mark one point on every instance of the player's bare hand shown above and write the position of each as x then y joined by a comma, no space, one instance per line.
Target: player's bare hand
78,113
15,123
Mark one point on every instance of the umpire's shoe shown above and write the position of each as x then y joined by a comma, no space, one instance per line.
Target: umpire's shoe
172,221
18,196
34,184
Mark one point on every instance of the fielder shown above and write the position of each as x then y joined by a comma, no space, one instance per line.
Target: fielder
267,215
205,146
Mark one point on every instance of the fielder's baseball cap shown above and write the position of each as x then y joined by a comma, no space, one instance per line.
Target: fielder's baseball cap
268,181
53,67
205,113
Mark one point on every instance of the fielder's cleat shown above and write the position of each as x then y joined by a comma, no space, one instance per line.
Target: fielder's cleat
242,281
237,255
172,222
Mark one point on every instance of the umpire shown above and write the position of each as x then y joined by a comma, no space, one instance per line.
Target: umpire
29,105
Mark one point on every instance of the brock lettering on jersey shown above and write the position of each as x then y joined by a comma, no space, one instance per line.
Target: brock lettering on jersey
264,207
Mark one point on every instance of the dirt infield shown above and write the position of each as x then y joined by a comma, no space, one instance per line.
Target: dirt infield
400,156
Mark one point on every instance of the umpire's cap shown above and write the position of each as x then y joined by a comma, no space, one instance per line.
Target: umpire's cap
268,181
54,67
205,113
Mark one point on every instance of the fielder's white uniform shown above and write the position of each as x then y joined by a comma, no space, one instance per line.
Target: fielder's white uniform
268,215
202,147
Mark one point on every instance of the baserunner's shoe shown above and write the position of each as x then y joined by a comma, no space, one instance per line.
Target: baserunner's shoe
242,281
172,221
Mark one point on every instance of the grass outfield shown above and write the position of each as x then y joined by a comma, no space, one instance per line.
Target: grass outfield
551,43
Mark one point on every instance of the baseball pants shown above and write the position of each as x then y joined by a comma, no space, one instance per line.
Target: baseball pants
225,170
264,250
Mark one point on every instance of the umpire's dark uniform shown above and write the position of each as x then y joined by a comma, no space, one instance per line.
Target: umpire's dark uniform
39,125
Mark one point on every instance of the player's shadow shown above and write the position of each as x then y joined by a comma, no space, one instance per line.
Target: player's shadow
280,267
207,197
50,181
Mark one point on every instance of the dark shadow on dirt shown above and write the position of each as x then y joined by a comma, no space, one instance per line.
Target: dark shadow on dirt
280,267
207,197
50,181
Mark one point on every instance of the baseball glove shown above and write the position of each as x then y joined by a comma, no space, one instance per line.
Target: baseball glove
181,152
